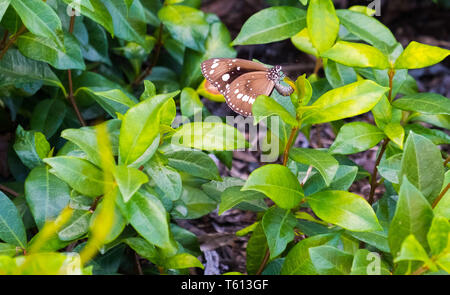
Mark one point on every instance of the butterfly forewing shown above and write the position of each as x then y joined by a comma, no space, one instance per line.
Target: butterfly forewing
220,72
244,90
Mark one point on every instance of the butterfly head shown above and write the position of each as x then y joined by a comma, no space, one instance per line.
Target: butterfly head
275,74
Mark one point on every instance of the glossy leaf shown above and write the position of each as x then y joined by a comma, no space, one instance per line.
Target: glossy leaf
302,42
323,24
412,250
422,165
39,18
195,163
322,161
368,263
112,101
46,50
345,209
4,4
339,75
278,225
183,260
129,180
233,196
80,174
328,260
31,147
210,136
417,55
344,102
193,203
356,137
166,178
412,216
12,230
190,103
270,25
76,227
438,234
396,133
426,103
95,10
266,106
186,25
140,126
276,182
46,195
256,250
357,55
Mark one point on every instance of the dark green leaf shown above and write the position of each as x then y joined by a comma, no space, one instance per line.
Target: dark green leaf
278,225
12,230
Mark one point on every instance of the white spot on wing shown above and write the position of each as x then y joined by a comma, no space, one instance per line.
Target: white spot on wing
225,77
214,66
240,95
245,98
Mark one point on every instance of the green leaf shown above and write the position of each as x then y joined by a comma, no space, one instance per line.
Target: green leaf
129,180
438,234
396,133
382,112
129,24
437,137
323,24
4,4
378,239
266,106
278,183
426,103
347,101
118,220
193,203
31,147
256,250
412,250
46,50
368,263
412,216
194,163
356,137
95,10
16,69
144,249
357,55
297,261
339,75
76,227
140,126
112,101
190,103
86,139
368,29
210,136
417,55
8,250
233,196
181,261
147,215
345,209
328,260
80,174
343,179
422,165
278,225
39,18
302,42
46,195
186,25
48,116
389,168
166,178
322,161
270,25
12,230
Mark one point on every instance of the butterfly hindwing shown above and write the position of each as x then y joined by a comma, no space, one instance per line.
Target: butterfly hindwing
221,72
242,92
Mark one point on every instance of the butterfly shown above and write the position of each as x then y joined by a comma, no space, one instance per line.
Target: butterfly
241,81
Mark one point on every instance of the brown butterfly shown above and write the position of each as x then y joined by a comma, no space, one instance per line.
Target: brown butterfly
242,81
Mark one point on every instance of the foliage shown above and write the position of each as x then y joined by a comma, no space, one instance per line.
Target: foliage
81,193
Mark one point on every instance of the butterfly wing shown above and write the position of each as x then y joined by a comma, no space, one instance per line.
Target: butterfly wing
221,72
243,91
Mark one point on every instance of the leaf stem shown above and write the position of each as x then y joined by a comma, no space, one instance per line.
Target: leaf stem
373,180
5,37
289,145
71,96
264,262
9,191
12,40
317,66
444,191
149,69
446,161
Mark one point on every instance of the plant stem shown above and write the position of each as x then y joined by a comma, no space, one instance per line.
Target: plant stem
373,180
444,191
69,74
5,37
12,40
289,144
420,271
149,69
391,74
9,191
446,161
264,262
317,66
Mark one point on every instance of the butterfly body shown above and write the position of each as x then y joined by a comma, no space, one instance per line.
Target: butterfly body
241,81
